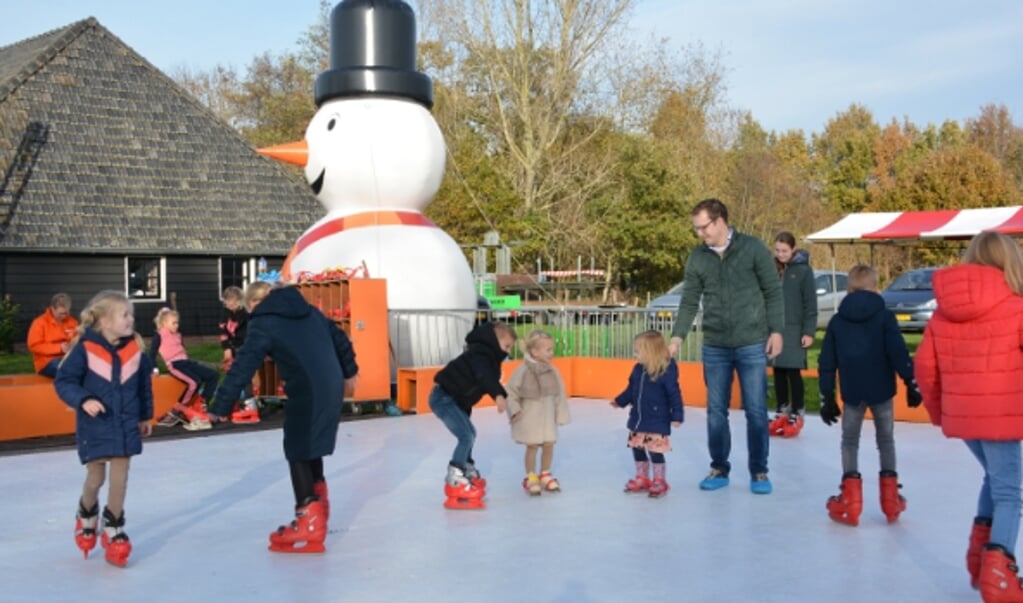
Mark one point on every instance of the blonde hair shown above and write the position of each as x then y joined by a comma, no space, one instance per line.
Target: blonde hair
862,278
257,292
652,352
533,339
163,314
994,249
103,304
233,293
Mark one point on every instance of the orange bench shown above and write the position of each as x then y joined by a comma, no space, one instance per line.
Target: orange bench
29,406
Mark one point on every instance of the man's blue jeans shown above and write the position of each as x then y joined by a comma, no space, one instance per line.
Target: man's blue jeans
750,362
999,493
458,423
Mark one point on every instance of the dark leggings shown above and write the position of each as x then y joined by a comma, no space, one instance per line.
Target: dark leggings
789,381
204,378
303,475
640,455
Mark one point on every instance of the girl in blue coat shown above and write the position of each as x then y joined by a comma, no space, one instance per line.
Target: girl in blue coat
656,400
314,358
105,378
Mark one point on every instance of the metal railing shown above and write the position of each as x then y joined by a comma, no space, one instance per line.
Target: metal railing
423,337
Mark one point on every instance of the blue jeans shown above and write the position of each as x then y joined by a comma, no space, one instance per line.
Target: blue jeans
999,493
457,421
719,364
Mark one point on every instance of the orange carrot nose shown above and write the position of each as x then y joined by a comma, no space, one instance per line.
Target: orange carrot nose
289,152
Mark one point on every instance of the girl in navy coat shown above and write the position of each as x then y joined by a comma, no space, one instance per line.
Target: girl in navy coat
105,378
314,358
656,400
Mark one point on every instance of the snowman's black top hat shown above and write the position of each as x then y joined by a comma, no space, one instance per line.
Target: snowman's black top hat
373,53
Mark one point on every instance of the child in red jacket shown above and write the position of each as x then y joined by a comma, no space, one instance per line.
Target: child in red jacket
970,369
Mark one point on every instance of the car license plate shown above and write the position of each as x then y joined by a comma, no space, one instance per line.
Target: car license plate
902,317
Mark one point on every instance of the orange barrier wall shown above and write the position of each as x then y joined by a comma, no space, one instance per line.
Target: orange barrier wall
606,378
902,411
583,377
29,406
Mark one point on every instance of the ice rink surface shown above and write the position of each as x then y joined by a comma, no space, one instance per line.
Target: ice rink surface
199,511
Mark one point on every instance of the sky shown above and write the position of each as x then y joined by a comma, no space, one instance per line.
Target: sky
794,64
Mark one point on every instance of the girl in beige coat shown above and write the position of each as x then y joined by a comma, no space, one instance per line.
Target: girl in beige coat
536,406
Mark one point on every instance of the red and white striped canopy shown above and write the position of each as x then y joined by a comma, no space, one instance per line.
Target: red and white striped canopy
921,225
571,273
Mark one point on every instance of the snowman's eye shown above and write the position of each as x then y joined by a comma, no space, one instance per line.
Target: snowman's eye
330,124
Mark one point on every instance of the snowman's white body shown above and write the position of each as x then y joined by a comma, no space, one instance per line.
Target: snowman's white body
378,163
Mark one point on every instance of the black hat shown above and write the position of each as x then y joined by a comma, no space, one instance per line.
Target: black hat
373,53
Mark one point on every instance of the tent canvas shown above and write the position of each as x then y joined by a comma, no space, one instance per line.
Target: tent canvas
928,225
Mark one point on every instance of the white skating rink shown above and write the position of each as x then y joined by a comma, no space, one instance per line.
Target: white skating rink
199,511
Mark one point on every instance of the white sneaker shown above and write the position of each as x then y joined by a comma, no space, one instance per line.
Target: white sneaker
198,424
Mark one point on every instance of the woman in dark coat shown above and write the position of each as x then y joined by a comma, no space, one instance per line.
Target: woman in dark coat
314,358
799,296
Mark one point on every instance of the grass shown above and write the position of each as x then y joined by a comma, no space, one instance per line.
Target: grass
12,364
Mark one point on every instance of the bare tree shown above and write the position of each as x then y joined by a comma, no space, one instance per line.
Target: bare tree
536,65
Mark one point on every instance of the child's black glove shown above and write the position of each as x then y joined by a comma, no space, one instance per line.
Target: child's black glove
913,395
829,408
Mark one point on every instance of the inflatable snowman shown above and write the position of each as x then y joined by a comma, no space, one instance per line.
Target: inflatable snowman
374,157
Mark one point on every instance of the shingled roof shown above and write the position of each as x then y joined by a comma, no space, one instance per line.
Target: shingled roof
102,152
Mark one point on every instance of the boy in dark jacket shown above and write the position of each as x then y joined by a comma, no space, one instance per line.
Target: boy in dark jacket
314,358
459,386
863,343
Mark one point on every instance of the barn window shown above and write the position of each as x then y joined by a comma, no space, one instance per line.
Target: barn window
144,277
236,272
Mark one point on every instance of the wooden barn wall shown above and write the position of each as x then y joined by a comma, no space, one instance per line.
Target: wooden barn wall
193,283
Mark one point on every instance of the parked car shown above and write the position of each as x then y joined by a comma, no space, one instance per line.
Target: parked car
662,309
831,290
830,285
911,298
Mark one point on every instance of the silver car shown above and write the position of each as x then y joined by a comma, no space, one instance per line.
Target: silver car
830,285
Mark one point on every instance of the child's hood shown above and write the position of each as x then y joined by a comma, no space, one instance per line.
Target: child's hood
861,306
285,303
486,337
968,291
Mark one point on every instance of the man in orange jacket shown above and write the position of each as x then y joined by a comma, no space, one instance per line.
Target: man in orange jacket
50,335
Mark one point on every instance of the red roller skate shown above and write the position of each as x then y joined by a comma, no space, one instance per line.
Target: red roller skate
777,425
549,483
309,527
847,506
793,425
320,490
85,527
640,483
460,492
892,503
474,477
115,541
980,535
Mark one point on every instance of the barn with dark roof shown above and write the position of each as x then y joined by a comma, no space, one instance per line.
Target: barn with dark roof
114,177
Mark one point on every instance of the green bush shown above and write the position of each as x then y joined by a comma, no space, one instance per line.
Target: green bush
8,315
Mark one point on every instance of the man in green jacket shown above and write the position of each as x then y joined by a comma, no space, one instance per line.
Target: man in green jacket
734,274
